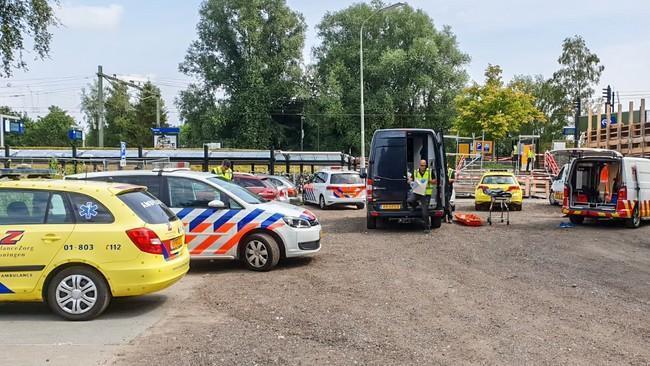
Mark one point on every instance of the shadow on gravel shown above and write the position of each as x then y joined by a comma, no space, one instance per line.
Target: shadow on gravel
202,266
120,308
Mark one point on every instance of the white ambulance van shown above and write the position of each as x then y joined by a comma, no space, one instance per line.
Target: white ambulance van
604,184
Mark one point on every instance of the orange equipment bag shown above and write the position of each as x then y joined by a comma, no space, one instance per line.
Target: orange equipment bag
468,219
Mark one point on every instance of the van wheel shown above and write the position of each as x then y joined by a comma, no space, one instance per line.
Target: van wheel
635,221
371,222
577,220
436,222
260,252
321,203
78,293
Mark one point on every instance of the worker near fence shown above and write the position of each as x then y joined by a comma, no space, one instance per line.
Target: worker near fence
530,164
422,175
448,215
515,155
224,171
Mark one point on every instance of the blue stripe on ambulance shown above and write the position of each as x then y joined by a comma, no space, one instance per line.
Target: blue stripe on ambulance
200,218
271,220
4,289
248,218
224,219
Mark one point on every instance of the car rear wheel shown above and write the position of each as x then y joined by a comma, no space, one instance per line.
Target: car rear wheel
78,293
577,220
436,222
360,206
321,203
551,199
635,221
371,222
260,252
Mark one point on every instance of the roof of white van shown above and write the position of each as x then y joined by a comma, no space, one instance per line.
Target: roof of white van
586,152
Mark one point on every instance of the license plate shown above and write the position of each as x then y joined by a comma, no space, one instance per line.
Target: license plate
176,243
391,206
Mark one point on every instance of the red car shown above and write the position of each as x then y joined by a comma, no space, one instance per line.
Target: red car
257,185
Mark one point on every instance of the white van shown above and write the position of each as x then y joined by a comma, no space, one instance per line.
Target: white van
604,184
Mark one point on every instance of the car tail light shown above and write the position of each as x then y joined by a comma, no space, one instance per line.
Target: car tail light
565,199
483,187
369,189
292,192
513,188
146,240
622,196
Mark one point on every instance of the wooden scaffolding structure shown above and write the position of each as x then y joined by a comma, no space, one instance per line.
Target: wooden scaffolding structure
630,138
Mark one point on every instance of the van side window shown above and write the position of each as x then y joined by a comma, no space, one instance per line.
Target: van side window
88,210
21,207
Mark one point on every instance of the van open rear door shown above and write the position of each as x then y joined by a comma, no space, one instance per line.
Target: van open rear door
441,166
388,168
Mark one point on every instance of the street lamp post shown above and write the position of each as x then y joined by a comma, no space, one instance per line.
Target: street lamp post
363,122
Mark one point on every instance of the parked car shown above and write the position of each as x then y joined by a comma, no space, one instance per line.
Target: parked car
225,221
335,186
76,245
257,185
498,180
393,154
288,190
604,184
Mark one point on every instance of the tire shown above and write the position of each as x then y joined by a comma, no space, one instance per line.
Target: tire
516,207
551,199
478,207
371,222
260,252
635,221
577,220
436,222
361,206
86,281
321,203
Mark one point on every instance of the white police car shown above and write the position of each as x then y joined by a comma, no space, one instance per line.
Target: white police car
224,220
335,186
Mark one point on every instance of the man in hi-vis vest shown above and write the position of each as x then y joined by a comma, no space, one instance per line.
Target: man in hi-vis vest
422,176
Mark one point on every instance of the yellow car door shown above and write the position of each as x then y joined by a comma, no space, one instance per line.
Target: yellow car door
34,227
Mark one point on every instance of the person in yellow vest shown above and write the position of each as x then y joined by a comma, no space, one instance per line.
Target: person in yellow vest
422,175
515,155
530,164
224,171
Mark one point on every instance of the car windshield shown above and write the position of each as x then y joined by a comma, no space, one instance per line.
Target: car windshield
238,191
498,179
346,178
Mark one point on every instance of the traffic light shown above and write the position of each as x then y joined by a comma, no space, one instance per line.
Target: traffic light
607,95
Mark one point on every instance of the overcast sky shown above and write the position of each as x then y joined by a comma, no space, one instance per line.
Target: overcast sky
147,39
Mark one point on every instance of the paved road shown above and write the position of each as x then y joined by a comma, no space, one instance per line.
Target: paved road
31,335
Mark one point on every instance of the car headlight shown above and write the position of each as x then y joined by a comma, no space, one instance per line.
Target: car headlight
296,222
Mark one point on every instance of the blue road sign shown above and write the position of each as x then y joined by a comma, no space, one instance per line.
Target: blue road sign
122,153
75,134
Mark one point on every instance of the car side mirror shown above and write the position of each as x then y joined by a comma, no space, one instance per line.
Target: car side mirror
216,204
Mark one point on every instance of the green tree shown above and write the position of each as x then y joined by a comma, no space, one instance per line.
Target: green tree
580,69
120,117
145,115
412,72
248,52
90,110
495,109
551,100
20,19
51,129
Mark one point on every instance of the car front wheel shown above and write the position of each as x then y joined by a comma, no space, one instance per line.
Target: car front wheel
261,252
321,203
78,293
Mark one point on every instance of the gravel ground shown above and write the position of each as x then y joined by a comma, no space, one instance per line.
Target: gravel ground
528,293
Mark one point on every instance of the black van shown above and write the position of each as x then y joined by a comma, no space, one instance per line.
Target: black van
393,154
